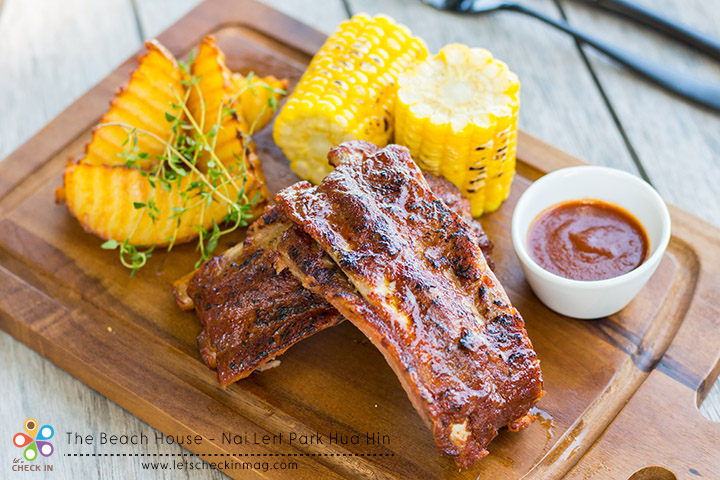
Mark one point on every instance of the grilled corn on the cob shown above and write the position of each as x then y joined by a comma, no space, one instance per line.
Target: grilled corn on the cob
347,92
457,113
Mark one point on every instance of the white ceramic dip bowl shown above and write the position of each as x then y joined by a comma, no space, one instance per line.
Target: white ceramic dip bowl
600,298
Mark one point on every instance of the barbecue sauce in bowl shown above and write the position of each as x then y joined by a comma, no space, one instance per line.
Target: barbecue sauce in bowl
587,240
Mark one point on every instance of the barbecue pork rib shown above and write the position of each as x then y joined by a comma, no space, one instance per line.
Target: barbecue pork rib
448,193
249,312
392,258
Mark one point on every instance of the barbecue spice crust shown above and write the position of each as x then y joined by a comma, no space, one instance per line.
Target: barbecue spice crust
407,270
251,311
397,253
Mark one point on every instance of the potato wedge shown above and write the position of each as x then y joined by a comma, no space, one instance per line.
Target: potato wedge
111,200
104,199
143,103
255,98
214,100
215,89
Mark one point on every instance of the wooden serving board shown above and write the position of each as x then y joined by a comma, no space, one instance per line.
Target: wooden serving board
622,392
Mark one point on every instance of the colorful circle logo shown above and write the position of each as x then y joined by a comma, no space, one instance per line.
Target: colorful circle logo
36,440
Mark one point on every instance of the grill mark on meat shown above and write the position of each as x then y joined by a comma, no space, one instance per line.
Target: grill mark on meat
251,311
479,357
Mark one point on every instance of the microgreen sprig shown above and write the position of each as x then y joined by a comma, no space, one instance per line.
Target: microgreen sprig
190,150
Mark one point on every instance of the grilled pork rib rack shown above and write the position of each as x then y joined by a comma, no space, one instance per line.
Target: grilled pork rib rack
250,311
374,243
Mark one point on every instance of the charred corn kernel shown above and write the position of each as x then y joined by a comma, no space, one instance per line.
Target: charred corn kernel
154,90
346,93
457,114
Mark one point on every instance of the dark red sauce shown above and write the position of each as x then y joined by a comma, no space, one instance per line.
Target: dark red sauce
587,240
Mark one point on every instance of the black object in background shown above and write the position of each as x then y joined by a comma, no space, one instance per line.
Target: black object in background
704,92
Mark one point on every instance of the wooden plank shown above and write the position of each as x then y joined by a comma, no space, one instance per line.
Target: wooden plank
329,383
560,102
52,53
323,16
35,387
710,407
667,401
156,15
629,440
677,143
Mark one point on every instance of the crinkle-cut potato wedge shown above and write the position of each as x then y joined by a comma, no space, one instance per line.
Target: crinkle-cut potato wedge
100,190
255,98
215,90
102,199
143,103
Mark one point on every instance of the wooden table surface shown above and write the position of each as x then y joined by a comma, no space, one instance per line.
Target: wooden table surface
573,98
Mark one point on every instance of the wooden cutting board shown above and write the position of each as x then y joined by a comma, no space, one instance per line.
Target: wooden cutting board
622,392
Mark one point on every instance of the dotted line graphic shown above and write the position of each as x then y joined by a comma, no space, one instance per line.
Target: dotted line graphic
229,454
